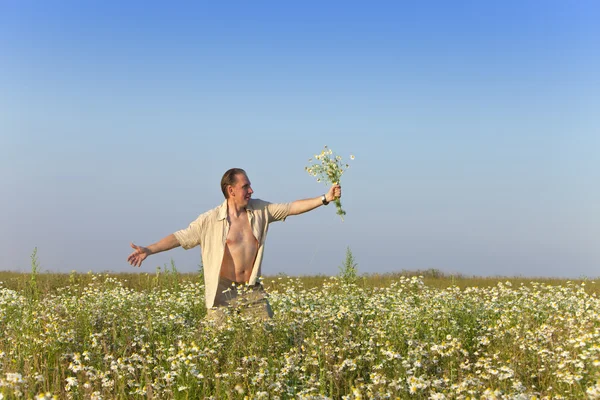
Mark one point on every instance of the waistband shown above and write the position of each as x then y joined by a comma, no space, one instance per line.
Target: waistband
229,283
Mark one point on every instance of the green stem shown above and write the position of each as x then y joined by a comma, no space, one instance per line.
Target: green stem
340,211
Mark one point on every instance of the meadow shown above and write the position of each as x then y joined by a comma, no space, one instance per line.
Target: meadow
410,335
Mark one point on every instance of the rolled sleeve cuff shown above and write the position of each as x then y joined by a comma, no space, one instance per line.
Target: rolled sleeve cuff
183,239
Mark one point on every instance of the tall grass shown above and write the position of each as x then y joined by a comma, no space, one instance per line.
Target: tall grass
168,277
419,334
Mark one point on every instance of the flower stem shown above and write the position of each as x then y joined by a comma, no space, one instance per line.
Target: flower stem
338,206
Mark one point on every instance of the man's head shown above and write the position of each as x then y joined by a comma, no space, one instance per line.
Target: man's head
235,184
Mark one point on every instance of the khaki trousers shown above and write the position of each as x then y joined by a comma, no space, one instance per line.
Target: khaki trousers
235,298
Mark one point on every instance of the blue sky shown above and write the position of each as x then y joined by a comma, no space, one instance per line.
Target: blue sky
474,125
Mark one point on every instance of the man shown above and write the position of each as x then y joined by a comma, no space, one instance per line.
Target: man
232,238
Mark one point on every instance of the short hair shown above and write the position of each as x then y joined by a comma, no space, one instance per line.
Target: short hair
230,178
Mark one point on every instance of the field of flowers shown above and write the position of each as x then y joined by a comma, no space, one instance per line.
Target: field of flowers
105,340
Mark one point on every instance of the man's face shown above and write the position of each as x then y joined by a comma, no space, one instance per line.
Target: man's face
241,191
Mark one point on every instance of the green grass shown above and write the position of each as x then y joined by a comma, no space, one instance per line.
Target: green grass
418,334
48,282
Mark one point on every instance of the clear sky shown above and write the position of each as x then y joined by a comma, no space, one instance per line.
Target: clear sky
475,125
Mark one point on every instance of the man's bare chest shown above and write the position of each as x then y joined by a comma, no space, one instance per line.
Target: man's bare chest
240,232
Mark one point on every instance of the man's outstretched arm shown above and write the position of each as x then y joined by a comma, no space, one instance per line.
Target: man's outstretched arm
140,253
302,206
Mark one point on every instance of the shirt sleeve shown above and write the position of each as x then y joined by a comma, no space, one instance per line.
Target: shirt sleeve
278,211
191,236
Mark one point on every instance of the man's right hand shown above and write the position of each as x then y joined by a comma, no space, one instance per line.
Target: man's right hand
139,254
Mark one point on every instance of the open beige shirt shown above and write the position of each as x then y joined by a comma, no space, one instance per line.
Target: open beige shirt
209,231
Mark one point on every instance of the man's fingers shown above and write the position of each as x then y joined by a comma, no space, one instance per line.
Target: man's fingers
135,258
336,190
133,255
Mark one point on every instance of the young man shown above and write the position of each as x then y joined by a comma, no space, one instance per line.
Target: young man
232,238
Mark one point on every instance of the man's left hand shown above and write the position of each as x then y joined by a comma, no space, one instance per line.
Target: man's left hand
334,192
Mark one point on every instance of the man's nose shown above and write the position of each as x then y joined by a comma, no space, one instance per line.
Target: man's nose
250,190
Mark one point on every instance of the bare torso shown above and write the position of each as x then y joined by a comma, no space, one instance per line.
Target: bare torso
241,248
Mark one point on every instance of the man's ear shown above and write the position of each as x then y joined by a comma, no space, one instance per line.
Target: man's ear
230,190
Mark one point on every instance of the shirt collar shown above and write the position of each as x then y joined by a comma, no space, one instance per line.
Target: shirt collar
222,214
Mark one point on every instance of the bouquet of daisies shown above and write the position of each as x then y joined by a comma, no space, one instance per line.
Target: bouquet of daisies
328,168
